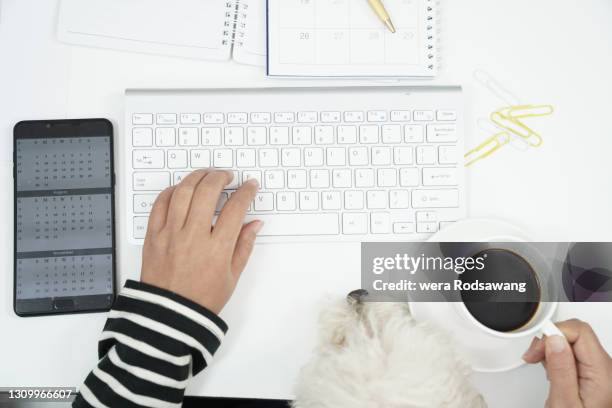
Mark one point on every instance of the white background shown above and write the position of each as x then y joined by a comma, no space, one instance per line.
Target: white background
547,51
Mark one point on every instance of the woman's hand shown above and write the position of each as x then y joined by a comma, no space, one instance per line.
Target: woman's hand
578,367
184,253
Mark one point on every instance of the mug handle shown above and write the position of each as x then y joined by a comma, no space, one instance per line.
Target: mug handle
550,329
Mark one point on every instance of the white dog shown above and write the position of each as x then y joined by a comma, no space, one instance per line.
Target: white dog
375,355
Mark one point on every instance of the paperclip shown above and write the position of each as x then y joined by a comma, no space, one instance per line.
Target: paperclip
487,148
516,127
516,142
530,111
495,87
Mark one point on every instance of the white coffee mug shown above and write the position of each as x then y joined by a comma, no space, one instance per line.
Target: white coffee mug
541,323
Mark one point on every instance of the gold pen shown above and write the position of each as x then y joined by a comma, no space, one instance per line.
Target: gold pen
380,11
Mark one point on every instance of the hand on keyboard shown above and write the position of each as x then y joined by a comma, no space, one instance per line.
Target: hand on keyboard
182,251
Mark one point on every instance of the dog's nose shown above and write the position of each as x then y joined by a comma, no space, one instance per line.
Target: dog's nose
358,295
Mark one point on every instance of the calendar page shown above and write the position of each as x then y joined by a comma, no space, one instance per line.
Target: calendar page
346,38
63,217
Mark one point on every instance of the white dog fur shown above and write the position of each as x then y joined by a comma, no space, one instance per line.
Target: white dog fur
375,355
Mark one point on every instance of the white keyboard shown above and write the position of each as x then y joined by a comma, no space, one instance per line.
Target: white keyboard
334,164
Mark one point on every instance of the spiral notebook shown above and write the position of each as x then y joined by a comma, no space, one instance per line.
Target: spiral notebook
203,29
345,38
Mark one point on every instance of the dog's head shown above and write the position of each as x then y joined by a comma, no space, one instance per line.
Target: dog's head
375,355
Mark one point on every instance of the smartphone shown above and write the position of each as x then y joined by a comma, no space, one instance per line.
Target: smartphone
64,230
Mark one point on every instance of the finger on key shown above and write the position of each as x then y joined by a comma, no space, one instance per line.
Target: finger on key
159,212
232,215
181,199
205,199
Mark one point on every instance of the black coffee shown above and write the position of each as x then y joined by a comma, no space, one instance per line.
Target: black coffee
500,310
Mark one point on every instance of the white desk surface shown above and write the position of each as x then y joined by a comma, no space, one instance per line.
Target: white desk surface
545,52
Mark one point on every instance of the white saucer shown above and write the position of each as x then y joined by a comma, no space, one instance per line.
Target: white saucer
484,352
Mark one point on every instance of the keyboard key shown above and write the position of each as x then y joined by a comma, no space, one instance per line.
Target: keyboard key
237,118
286,201
427,227
445,115
423,116
234,136
200,159
236,181
313,157
297,224
355,223
142,137
256,135
399,199
291,157
440,176
400,116
324,134
211,136
213,118
302,135
177,159
447,154
354,200
336,156
377,116
402,155
296,178
140,227
341,178
279,135
222,158
284,117
392,134
330,117
264,202
319,178
414,133
309,200
245,158
251,174
353,116
143,203
307,117
179,176
142,119
381,156
223,197
426,216
403,228
150,181
426,155
368,134
387,178
380,223
435,198
261,117
189,136
268,157
376,199
274,179
166,119
148,159
364,178
409,177
165,137
330,200
441,133
347,134
190,118
358,156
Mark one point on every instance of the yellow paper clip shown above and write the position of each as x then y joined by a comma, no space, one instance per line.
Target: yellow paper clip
487,148
508,119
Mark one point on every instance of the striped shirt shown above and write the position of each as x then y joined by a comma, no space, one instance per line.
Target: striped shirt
153,342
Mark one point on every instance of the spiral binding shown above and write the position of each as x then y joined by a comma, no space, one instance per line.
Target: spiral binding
432,34
231,20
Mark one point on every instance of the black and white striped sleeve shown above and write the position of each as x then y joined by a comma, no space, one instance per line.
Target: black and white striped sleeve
153,342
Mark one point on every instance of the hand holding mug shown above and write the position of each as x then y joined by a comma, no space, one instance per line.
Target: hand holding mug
578,367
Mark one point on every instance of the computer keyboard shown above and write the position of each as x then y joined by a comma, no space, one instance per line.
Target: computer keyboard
334,164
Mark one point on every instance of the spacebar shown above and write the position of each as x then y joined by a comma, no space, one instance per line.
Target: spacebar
297,224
